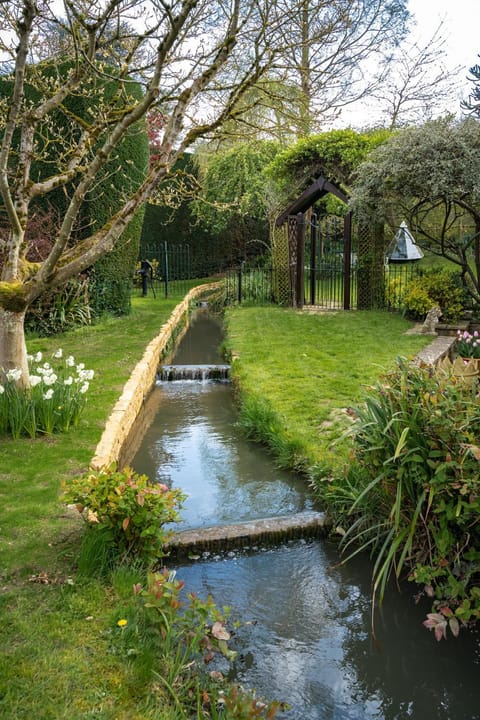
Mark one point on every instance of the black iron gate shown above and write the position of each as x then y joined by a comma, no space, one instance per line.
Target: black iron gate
322,261
330,263
170,268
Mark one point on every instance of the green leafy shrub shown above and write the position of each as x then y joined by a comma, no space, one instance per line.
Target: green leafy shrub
60,310
412,493
416,300
437,287
128,509
171,636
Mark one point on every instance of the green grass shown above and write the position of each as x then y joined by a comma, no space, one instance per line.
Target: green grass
56,659
301,371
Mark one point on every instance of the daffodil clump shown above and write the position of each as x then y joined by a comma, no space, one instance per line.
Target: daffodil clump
52,403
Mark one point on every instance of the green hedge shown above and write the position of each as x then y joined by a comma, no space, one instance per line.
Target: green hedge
210,250
111,276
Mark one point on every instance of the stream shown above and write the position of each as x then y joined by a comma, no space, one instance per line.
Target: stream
305,636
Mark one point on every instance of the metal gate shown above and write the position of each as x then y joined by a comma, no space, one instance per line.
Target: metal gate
330,274
322,261
170,267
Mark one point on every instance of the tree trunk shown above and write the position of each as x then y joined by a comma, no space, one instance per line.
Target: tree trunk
304,126
13,350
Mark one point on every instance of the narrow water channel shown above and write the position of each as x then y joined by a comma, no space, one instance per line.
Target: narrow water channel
193,443
305,636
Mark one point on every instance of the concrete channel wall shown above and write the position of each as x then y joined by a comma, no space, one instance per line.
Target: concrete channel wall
140,383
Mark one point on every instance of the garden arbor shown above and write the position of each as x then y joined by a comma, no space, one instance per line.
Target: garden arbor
336,276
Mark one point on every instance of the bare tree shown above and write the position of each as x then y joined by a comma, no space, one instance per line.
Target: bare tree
330,46
418,84
333,54
195,60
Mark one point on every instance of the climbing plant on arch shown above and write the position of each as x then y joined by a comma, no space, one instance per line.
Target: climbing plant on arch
322,168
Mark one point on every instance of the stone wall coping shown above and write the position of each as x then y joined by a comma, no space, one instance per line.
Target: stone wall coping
140,383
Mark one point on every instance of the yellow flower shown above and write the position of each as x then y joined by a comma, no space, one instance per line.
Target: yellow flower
121,623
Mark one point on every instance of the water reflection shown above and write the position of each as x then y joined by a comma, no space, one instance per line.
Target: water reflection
202,342
193,443
310,644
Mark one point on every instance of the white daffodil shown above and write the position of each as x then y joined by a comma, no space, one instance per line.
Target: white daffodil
58,354
50,378
48,395
14,374
34,380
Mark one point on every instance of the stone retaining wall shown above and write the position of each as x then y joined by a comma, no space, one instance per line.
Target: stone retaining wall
141,381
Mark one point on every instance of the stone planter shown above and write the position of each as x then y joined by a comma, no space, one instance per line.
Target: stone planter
466,368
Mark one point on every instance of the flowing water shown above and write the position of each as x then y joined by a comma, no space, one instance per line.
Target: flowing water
306,635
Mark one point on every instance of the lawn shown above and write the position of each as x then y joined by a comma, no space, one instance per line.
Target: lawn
303,372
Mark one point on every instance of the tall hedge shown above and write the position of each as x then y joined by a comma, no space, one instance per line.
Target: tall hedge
208,252
218,237
111,277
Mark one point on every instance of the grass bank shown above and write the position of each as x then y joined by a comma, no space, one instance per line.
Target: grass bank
62,655
299,373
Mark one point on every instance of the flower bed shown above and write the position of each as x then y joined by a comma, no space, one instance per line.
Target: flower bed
53,402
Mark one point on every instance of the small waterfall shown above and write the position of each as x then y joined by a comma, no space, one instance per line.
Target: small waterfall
219,373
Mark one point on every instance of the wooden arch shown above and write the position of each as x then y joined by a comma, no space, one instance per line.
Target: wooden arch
294,214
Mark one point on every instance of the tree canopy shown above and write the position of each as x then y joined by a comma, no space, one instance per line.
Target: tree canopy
429,175
234,184
335,154
194,60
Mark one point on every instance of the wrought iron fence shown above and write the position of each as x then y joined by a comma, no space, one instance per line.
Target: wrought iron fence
247,285
168,271
250,286
397,277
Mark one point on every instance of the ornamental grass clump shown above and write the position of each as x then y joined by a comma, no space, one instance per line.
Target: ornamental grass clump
467,345
52,403
126,511
412,494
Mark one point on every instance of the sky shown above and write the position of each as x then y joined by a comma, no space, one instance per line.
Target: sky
461,28
460,31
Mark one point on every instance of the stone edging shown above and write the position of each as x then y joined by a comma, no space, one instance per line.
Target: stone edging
139,384
435,352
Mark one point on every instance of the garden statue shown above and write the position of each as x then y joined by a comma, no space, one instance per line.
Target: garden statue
431,321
